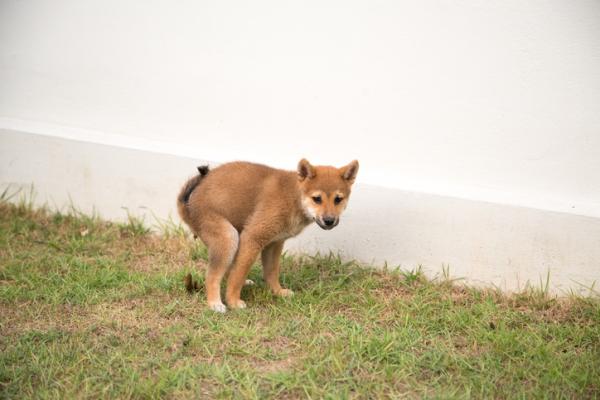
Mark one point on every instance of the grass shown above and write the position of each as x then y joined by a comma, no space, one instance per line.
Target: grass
92,309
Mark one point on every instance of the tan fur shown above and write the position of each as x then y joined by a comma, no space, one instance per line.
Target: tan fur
240,210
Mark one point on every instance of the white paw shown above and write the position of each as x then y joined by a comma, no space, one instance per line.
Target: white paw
249,282
285,293
218,307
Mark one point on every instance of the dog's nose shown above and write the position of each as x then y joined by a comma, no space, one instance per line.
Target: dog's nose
328,221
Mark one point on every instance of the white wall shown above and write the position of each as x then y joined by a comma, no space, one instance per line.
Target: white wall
497,101
490,101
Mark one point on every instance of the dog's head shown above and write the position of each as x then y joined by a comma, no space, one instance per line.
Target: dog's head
325,191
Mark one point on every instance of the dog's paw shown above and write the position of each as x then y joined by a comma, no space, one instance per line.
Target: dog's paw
239,304
249,282
285,293
218,307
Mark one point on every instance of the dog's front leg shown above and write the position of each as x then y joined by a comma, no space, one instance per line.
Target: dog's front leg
271,257
247,253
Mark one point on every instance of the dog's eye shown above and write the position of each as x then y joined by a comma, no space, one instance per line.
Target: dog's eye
337,200
317,199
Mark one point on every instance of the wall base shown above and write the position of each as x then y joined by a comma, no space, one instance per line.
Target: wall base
484,243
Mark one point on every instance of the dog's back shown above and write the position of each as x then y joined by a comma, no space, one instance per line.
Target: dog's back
234,191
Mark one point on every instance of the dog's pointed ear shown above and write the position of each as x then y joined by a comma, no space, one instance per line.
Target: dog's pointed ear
305,170
349,171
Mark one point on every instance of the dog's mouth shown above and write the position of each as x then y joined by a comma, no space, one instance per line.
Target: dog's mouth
329,225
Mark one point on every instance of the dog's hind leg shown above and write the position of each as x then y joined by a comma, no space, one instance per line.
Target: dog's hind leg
249,248
221,239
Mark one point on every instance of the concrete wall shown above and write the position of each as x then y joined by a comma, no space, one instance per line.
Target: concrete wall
490,102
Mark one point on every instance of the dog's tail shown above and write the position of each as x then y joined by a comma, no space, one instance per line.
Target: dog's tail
186,192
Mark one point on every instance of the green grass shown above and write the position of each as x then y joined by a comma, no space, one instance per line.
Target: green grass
92,309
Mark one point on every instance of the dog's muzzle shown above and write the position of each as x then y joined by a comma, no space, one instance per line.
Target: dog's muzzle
327,223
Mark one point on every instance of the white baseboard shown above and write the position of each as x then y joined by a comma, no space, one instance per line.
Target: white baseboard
484,243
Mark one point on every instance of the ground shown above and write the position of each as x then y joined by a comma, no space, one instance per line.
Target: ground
92,309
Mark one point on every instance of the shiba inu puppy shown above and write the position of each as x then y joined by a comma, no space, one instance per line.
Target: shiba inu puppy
240,210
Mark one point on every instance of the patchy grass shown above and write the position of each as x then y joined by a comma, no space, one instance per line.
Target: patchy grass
92,309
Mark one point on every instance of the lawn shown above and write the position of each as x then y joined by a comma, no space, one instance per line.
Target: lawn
93,309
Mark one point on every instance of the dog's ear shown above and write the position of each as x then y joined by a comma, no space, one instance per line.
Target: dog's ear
349,171
305,170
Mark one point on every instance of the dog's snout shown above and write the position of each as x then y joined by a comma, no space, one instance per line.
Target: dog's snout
329,221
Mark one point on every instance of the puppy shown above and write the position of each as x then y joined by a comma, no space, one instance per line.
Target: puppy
240,210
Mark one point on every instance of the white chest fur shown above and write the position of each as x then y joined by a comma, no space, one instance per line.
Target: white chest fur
294,226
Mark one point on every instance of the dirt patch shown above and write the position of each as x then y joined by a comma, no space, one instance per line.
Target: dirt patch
127,317
153,253
277,345
268,367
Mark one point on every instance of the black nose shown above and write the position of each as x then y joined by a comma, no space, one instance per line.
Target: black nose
328,221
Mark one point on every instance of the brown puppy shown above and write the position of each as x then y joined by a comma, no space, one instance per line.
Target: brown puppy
242,209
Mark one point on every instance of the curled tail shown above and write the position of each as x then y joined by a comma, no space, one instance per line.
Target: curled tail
186,192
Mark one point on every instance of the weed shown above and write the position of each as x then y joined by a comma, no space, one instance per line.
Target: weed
134,226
